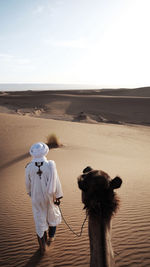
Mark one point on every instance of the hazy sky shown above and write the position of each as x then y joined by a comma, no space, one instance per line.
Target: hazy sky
104,42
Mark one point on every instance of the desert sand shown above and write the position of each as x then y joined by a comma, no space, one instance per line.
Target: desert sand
104,131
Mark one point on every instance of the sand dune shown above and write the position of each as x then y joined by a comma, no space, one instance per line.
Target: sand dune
117,149
107,106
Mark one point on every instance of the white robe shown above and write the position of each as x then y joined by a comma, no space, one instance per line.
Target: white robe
42,192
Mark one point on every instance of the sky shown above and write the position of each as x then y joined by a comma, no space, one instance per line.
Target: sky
101,42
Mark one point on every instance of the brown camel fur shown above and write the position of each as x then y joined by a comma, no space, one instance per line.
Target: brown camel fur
101,203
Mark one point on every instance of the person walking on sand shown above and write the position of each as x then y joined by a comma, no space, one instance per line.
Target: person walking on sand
44,188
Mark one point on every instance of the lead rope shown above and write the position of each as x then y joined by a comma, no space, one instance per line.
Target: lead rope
78,235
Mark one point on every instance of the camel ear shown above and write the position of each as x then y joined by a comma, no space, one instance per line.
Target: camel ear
116,182
87,169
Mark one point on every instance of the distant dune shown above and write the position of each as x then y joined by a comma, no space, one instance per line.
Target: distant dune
142,92
117,106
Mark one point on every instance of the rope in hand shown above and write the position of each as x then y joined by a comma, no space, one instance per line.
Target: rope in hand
78,235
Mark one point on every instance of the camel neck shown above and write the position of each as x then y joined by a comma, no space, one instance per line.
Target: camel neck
100,243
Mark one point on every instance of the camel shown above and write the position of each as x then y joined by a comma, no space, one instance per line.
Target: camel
101,203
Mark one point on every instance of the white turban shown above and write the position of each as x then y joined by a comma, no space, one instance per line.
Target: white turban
39,150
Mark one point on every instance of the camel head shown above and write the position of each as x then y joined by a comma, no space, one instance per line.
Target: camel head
98,193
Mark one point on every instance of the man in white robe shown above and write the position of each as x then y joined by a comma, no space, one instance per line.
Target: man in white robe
44,188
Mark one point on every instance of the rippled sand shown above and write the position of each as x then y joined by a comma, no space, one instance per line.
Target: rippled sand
117,149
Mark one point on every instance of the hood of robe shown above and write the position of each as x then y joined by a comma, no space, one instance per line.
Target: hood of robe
38,151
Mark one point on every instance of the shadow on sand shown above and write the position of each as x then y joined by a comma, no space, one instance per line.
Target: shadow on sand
34,260
15,160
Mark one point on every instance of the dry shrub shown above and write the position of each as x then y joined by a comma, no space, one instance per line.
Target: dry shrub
52,141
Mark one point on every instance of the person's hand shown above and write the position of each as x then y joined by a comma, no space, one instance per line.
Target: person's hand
57,202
